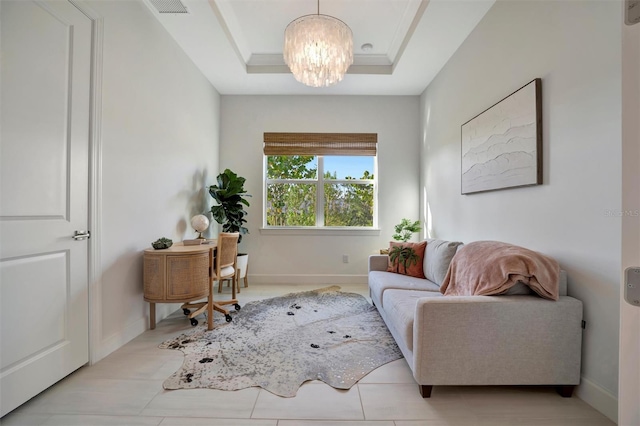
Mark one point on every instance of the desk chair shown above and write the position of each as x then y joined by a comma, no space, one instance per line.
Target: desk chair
222,267
237,281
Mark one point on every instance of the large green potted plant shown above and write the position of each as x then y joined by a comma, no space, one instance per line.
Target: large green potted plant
230,195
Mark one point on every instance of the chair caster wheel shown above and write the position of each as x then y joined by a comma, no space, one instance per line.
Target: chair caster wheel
186,311
237,306
194,322
228,318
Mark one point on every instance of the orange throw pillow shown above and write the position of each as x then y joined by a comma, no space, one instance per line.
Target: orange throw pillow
406,258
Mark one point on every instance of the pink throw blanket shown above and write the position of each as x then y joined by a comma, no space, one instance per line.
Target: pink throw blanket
492,267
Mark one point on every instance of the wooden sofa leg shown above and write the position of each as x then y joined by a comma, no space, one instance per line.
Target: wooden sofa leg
565,391
425,391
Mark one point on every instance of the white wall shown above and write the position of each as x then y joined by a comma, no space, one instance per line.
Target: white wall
160,137
575,48
318,258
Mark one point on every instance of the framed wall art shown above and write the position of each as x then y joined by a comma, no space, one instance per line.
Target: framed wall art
502,146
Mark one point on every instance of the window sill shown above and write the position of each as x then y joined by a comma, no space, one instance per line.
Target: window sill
361,232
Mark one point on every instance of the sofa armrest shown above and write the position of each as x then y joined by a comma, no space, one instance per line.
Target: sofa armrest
378,262
497,340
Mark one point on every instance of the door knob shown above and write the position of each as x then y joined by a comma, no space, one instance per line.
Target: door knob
81,235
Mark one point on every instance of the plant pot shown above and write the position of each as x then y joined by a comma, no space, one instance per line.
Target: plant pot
242,263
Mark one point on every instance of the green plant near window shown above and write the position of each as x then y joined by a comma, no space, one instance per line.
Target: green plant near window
405,229
405,256
230,195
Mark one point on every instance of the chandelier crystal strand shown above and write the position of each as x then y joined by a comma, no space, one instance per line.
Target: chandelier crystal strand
318,49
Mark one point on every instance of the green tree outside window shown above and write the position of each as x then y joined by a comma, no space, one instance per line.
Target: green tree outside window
292,194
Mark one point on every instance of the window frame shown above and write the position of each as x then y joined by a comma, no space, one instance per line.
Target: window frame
319,182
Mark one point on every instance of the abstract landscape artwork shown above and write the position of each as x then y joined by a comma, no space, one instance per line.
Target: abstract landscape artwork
502,146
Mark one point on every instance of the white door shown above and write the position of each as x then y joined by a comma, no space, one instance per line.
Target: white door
44,133
629,389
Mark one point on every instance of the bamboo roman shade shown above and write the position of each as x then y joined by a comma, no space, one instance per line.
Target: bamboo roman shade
320,144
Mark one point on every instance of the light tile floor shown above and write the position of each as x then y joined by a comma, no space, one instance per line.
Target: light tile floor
125,388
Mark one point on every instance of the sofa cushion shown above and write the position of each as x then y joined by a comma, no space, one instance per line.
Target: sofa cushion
518,288
562,285
400,307
437,258
380,281
414,266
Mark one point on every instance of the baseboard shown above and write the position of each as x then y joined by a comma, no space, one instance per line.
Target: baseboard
119,339
133,330
306,279
599,398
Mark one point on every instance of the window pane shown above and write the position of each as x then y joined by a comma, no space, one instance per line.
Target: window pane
348,205
292,167
345,167
291,204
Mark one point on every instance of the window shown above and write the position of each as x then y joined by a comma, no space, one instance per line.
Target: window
320,180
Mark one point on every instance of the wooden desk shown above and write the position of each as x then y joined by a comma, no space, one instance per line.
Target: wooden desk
178,274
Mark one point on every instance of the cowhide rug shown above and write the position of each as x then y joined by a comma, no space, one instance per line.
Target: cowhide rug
280,343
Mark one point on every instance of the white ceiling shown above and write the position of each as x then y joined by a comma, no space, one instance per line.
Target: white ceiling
237,44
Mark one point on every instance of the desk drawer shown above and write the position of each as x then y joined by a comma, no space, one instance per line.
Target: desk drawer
187,276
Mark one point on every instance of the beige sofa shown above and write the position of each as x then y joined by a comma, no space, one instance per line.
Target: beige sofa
512,339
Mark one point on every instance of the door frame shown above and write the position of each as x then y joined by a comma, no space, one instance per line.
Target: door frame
629,346
94,260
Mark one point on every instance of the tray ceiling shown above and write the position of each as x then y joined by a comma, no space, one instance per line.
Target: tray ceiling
237,44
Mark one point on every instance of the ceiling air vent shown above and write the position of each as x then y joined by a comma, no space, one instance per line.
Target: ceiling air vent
169,6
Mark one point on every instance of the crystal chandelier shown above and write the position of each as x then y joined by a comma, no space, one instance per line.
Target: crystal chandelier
318,49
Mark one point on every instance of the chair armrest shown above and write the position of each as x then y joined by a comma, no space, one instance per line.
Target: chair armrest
493,340
378,262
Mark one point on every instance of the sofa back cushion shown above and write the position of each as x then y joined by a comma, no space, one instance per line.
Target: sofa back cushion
519,289
437,258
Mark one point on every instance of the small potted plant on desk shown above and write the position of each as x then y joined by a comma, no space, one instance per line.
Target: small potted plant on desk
403,232
230,195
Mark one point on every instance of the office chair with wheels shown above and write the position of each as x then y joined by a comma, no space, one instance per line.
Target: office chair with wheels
223,266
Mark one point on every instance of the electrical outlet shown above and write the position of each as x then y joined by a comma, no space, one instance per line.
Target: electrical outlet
345,258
